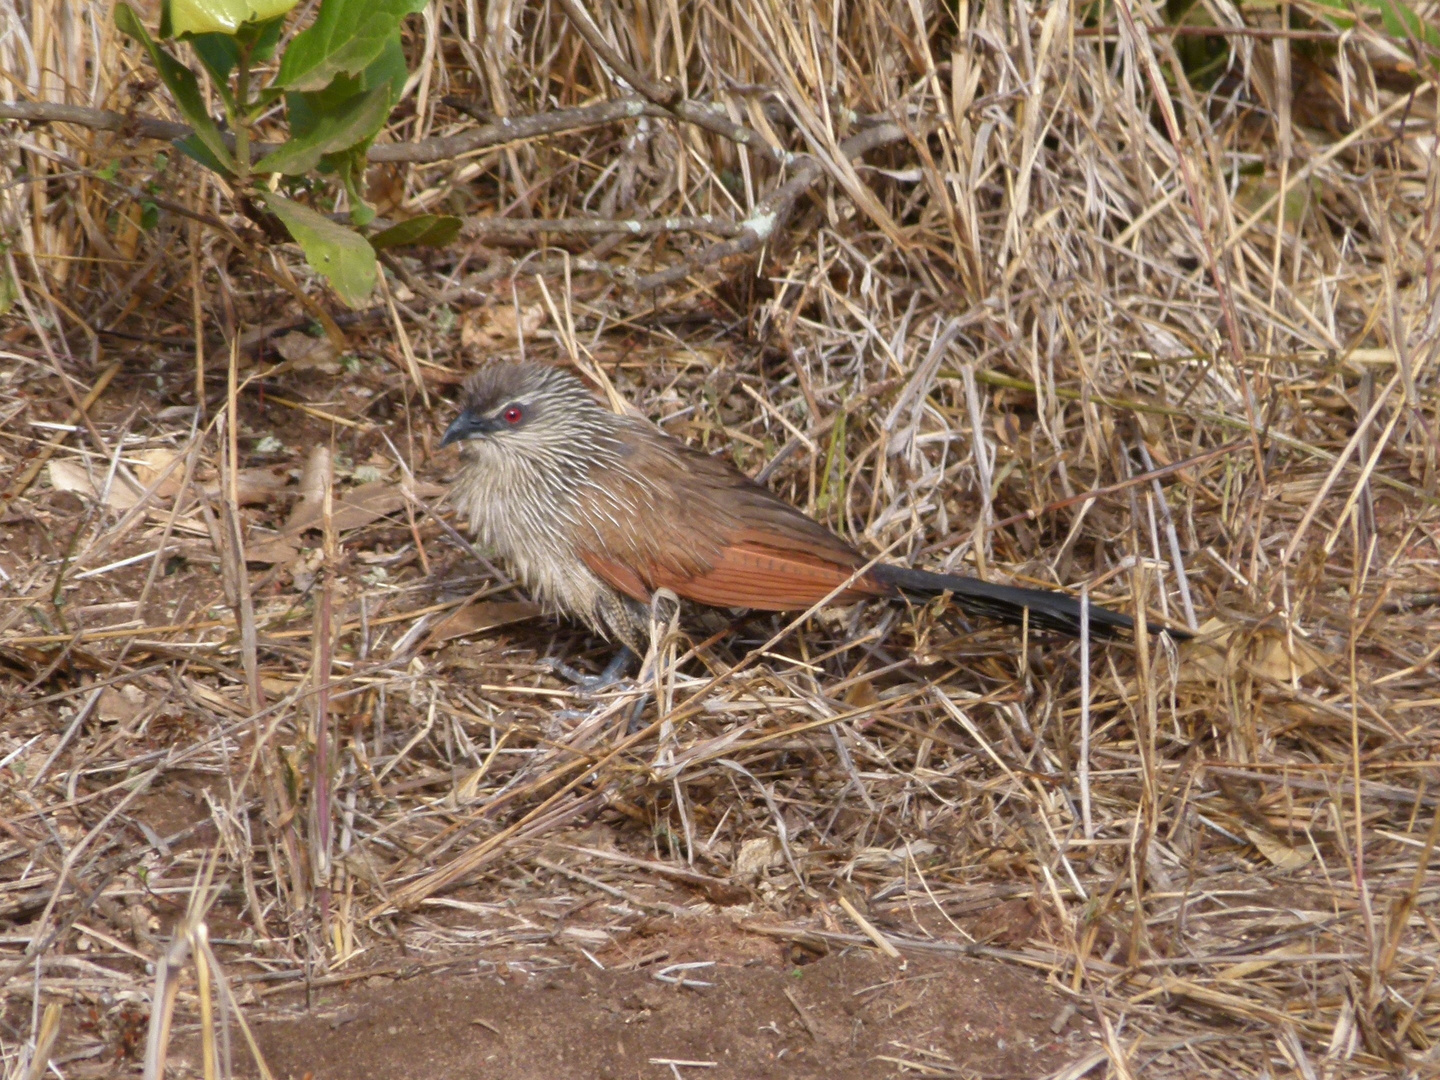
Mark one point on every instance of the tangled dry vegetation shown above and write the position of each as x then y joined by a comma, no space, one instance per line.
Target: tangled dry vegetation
1023,318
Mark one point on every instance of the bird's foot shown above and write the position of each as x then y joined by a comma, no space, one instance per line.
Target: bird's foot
592,684
579,718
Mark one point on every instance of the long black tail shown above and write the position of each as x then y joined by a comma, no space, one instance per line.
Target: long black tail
1008,603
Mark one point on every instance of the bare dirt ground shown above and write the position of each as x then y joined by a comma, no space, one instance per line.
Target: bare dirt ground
755,1011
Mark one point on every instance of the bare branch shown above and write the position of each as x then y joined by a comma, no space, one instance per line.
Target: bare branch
47,112
741,237
507,228
773,210
426,151
511,129
710,116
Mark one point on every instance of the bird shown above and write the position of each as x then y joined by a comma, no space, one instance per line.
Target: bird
595,512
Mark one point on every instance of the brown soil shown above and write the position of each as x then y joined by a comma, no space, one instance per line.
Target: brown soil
555,1014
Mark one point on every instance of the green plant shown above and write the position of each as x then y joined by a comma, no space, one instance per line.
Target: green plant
1402,24
338,79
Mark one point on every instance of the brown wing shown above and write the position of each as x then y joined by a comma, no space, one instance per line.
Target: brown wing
671,517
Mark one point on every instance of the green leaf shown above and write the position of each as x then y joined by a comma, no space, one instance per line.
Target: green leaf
305,110
263,37
1399,22
354,122
308,113
181,83
1343,17
428,230
351,168
180,17
345,38
9,291
1404,25
219,54
342,255
388,67
196,150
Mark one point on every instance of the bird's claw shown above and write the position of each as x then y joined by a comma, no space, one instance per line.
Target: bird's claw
592,684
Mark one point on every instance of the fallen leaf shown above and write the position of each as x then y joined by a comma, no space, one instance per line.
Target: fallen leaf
1275,657
74,477
489,328
1222,652
276,684
215,700
306,353
479,617
272,549
879,858
306,568
359,506
350,509
150,465
71,476
255,486
1278,852
861,694
756,856
120,704
315,478
1246,968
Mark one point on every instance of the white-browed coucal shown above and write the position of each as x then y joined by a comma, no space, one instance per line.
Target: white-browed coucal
595,512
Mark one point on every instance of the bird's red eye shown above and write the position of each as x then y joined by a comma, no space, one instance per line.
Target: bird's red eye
512,414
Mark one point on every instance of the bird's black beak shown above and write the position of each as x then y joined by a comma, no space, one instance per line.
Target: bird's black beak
466,426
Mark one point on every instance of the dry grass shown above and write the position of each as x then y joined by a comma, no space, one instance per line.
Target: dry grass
1052,285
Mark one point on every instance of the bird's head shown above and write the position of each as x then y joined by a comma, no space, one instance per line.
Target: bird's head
524,409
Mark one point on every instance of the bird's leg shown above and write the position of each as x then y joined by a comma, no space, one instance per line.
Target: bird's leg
614,672
616,669
633,624
624,620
